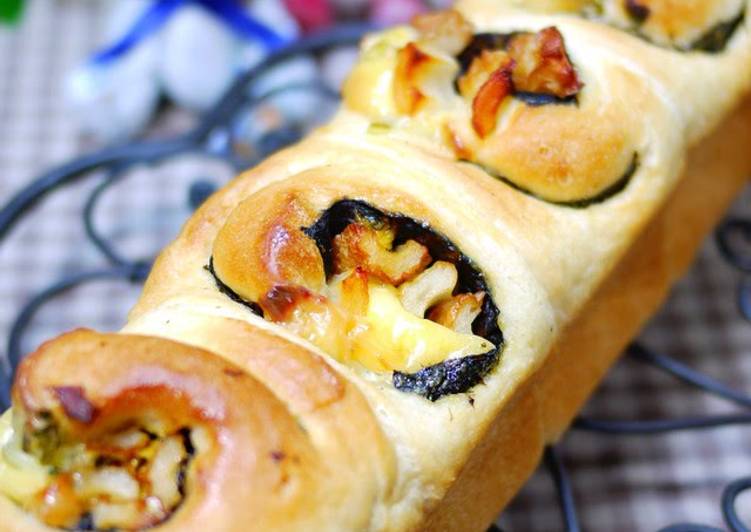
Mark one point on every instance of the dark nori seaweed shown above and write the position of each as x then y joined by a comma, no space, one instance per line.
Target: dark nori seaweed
479,43
106,461
713,41
344,212
639,12
44,442
86,522
187,442
538,99
600,197
452,376
716,38
499,41
182,470
448,377
227,291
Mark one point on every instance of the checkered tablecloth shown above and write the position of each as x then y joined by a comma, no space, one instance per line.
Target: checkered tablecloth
624,483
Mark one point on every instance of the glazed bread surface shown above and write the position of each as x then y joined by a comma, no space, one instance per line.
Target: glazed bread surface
381,327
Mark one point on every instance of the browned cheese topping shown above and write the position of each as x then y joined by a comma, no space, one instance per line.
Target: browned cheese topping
131,479
388,307
535,63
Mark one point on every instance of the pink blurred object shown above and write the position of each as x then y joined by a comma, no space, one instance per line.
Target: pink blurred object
311,14
388,12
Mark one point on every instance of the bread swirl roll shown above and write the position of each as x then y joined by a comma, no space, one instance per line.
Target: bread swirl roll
381,327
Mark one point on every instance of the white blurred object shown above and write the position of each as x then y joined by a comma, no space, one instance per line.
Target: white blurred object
274,14
96,93
106,111
198,58
336,64
295,105
193,58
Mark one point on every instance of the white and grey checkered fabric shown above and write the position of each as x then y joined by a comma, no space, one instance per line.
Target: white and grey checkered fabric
644,483
620,483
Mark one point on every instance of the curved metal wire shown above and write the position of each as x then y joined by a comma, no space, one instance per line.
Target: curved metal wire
738,257
99,241
741,259
659,426
686,374
116,160
689,376
729,498
223,112
744,298
690,527
653,427
563,487
33,193
131,272
151,151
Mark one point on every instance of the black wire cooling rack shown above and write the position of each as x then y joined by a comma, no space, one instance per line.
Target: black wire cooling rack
216,124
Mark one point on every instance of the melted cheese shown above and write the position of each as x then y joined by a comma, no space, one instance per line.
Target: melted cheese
391,338
21,475
368,88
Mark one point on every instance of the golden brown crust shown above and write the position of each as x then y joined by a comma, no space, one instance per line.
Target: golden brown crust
676,19
675,23
130,379
334,415
179,282
255,461
679,24
566,280
542,149
592,342
252,258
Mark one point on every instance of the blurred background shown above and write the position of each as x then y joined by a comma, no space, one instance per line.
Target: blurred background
79,75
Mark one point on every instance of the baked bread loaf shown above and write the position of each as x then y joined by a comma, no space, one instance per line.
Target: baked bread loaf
381,327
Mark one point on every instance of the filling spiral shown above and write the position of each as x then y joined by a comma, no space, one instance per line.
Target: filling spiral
532,67
688,25
683,25
130,479
514,104
388,293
